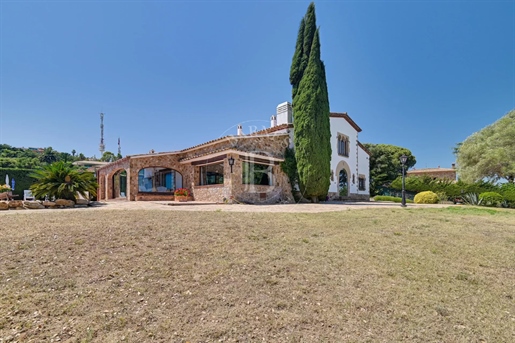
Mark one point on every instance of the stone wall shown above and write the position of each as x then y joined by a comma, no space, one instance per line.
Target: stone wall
233,188
212,193
350,197
170,161
449,174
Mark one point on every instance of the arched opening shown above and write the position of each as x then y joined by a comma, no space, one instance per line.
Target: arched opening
120,184
158,180
343,183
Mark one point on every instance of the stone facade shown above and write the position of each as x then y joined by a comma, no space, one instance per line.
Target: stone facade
268,149
435,173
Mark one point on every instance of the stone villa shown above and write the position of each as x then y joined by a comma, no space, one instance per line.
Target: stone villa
241,167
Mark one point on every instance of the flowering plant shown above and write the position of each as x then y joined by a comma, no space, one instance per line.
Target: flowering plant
181,192
5,188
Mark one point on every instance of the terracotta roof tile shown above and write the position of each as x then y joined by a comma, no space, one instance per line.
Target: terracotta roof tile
364,148
346,117
272,129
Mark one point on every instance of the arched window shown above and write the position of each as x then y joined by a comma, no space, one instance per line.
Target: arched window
343,183
156,179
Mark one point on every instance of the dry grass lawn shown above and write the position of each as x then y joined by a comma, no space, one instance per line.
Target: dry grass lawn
378,275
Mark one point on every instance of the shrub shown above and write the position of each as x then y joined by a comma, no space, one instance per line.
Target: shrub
471,199
490,198
390,198
426,197
508,192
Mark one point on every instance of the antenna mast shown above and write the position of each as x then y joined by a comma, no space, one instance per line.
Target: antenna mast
119,148
102,146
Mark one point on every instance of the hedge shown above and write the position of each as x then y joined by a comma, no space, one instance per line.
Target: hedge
21,177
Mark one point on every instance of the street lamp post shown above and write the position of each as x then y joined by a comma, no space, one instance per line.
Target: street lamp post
403,159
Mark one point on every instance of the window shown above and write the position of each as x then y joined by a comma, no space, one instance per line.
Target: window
361,183
212,174
343,145
159,180
256,174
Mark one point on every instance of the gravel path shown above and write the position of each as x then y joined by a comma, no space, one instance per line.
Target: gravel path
293,208
202,206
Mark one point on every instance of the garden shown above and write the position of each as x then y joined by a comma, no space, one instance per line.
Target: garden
426,190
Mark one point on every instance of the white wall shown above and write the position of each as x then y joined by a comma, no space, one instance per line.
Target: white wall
364,169
357,161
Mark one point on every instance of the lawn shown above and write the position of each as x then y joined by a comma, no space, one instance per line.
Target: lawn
375,275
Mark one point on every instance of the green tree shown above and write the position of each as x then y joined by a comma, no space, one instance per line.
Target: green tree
108,157
63,181
385,165
49,156
489,153
312,131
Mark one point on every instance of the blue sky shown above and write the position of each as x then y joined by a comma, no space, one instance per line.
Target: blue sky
168,75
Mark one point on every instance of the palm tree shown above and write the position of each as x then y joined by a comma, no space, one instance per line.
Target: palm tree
63,180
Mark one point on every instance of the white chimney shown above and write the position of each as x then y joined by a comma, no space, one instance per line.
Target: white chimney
284,113
273,121
240,130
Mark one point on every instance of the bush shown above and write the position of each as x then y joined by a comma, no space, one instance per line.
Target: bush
426,197
508,192
490,198
390,198
471,199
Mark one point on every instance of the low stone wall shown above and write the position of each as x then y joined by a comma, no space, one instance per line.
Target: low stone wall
211,193
154,196
256,194
350,197
37,205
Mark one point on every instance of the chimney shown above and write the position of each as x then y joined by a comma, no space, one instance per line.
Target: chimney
453,166
240,130
284,113
273,121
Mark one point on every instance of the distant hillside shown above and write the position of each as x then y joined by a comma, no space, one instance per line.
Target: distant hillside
31,158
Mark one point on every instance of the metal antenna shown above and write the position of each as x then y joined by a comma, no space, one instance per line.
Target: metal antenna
102,146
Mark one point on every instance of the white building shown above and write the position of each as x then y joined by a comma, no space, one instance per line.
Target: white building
350,160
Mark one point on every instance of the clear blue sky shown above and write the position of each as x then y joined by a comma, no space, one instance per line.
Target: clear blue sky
419,74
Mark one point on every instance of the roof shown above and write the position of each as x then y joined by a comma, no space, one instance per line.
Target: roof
430,170
224,151
364,148
346,117
272,129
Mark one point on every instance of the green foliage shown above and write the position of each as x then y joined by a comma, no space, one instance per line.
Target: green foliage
296,69
21,177
312,131
471,199
108,157
491,199
508,192
385,165
390,198
289,167
63,181
22,158
489,152
451,188
426,197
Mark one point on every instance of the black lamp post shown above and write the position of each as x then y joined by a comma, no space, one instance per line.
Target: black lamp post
231,162
403,159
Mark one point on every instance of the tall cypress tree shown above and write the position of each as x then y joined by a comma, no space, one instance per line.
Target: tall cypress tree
296,69
312,131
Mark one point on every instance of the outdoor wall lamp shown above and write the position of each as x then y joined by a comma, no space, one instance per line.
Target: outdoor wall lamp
231,162
403,159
